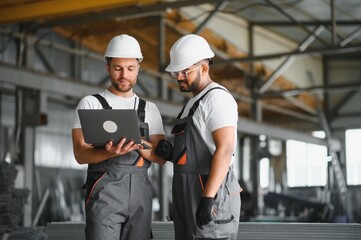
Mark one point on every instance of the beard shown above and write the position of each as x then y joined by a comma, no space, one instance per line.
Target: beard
185,87
123,86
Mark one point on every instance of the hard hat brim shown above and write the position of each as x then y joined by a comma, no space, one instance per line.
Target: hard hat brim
177,68
109,55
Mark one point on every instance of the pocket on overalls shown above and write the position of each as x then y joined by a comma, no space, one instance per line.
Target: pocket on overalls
228,201
179,129
233,191
92,179
179,151
203,181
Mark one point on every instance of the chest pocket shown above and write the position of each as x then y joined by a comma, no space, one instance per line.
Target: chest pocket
180,150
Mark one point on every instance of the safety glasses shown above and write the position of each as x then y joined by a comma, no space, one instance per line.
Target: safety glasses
183,74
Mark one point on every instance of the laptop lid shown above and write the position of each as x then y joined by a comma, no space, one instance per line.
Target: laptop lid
100,126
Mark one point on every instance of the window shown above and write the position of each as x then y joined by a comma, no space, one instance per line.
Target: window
306,164
264,172
353,156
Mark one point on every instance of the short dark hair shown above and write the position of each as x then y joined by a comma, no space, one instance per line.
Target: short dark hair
108,60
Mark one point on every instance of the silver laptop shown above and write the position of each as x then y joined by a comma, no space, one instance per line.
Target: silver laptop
100,126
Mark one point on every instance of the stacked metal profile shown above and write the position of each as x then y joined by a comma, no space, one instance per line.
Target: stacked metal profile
298,231
75,230
38,233
66,230
249,231
12,200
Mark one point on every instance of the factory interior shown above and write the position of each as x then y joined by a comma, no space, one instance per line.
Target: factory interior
293,67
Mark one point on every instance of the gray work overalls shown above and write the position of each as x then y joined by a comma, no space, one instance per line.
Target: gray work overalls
192,162
119,194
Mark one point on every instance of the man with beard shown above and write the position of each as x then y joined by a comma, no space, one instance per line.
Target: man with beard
206,193
118,203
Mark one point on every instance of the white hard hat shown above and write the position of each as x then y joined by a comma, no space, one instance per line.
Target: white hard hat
187,51
123,46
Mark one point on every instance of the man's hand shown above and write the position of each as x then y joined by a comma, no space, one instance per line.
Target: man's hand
205,211
164,150
121,148
148,153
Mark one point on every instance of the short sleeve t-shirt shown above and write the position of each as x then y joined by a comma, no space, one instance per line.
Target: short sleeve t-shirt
216,110
152,114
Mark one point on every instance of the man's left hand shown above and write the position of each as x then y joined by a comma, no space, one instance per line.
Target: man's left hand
205,211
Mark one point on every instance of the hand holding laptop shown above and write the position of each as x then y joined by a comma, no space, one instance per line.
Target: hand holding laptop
103,125
122,147
116,130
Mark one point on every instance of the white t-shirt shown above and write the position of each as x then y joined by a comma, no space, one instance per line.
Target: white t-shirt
152,114
216,110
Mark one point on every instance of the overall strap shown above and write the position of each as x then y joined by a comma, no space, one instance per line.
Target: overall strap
181,112
102,100
196,104
141,110
141,114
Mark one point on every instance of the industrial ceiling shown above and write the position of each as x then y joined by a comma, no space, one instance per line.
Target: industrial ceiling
329,28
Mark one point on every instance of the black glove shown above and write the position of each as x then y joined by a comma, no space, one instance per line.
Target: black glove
164,150
204,211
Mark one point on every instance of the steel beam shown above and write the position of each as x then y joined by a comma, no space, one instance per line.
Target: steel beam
41,9
32,39
254,128
44,60
279,71
333,19
29,165
43,82
220,6
354,87
350,37
306,23
334,50
338,171
126,12
162,82
292,19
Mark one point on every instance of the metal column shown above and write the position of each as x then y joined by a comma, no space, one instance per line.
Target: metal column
28,150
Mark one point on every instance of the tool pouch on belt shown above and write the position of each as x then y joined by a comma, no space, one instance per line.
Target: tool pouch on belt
179,154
